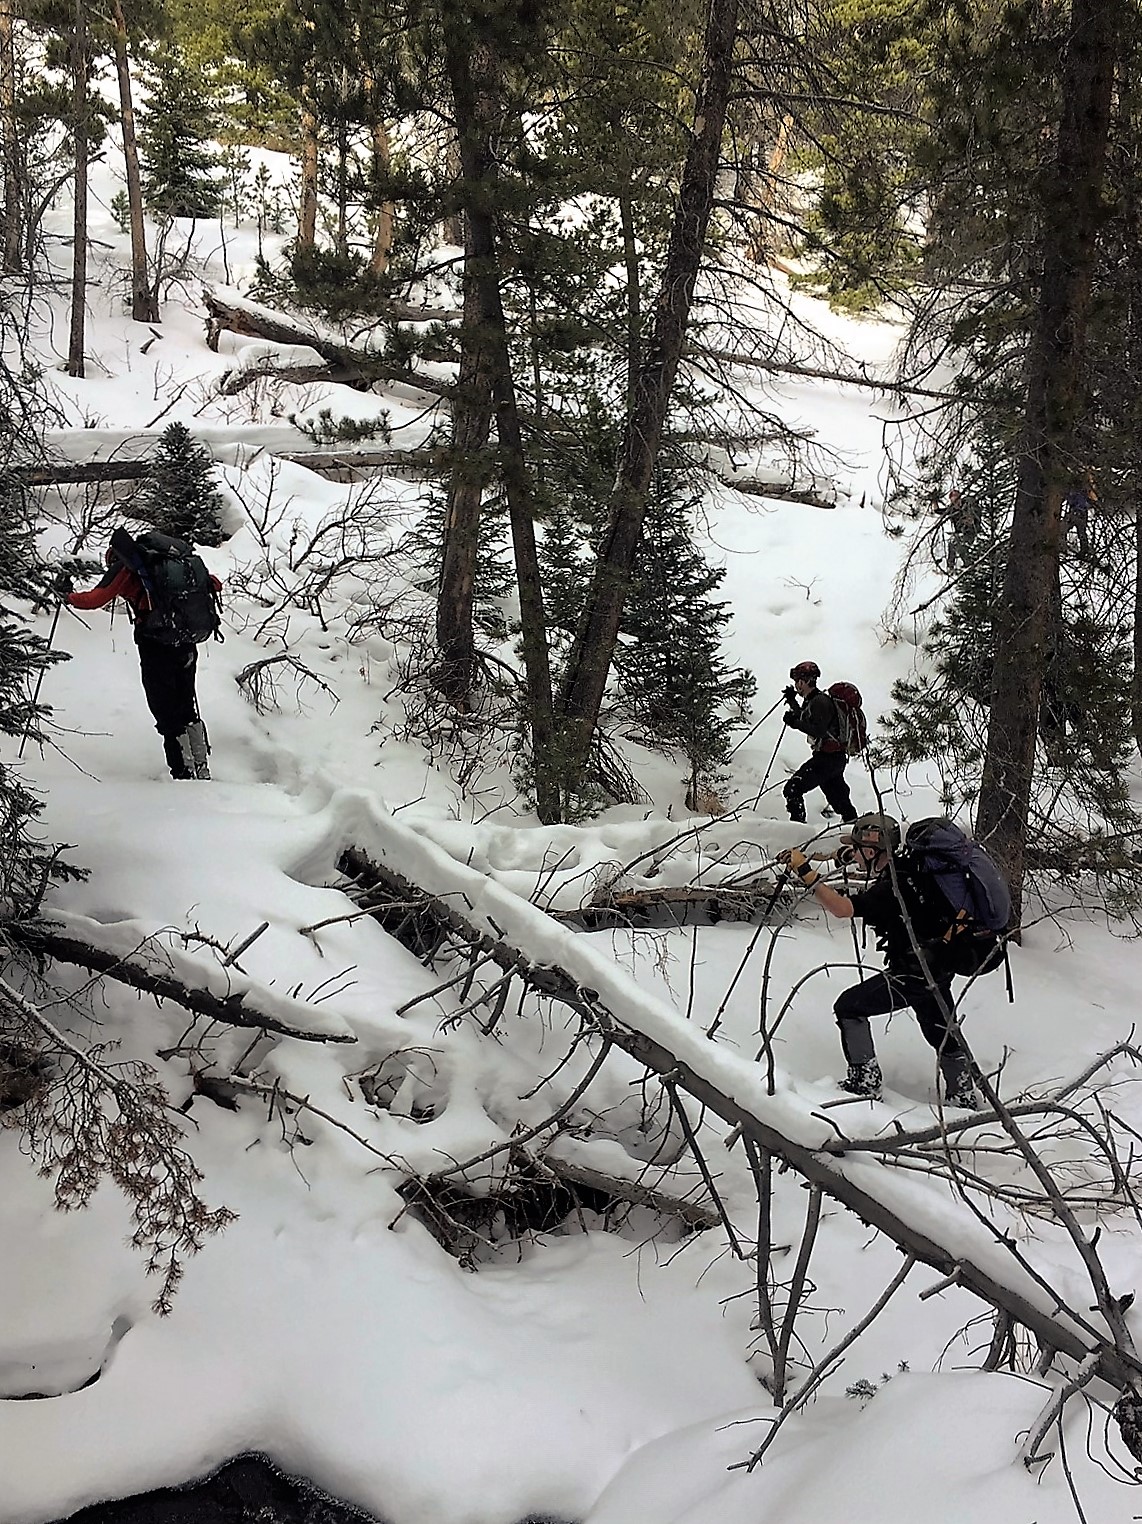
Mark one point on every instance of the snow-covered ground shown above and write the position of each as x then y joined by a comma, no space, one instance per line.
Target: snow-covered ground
586,1375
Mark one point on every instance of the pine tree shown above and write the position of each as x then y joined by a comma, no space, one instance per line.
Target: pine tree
673,675
175,130
180,496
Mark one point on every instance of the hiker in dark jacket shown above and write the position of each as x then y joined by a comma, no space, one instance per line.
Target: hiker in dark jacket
1076,512
890,907
816,714
168,670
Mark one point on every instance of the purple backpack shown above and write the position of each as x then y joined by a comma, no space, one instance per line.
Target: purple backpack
967,876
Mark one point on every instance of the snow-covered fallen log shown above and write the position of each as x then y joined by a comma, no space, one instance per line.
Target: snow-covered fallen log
151,963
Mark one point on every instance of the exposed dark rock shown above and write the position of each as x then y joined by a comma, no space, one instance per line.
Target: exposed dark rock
248,1490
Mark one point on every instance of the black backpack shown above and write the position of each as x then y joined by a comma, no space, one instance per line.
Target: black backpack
182,600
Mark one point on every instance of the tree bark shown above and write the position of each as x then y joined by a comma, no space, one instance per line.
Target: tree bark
469,467
307,213
10,146
386,211
1069,224
144,301
589,664
474,74
77,327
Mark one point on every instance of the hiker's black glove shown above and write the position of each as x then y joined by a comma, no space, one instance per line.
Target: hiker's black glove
790,717
794,858
63,584
789,694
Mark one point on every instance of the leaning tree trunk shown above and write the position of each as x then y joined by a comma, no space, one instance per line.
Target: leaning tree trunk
455,669
144,300
386,210
307,213
475,76
1136,676
1069,220
589,663
10,146
79,211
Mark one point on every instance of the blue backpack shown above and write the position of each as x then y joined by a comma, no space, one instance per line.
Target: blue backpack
971,882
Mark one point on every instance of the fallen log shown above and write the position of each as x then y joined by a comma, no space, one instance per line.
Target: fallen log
64,473
235,1010
678,906
355,367
1063,1334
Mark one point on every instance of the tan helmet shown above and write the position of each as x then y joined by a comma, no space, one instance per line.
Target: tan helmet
874,831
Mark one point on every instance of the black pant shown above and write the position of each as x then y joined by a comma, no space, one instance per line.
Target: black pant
824,770
892,992
168,681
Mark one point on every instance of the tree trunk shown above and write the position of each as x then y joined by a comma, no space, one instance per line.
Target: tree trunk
634,292
386,211
144,301
10,145
474,73
589,663
1070,212
471,426
1136,679
454,224
307,213
79,214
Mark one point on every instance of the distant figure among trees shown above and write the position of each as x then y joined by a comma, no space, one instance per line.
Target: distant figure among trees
1076,512
963,524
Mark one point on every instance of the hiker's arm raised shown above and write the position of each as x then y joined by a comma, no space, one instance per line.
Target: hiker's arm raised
826,896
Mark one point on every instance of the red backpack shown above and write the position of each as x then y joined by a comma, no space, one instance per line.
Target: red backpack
853,725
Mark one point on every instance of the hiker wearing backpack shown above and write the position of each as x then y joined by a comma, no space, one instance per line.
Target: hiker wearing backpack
831,737
173,603
936,906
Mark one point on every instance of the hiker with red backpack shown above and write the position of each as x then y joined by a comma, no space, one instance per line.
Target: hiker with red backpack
173,603
835,732
938,905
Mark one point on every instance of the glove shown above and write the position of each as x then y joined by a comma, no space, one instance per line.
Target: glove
789,694
62,583
790,717
800,864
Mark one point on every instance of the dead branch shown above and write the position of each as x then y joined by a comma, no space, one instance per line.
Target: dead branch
235,1010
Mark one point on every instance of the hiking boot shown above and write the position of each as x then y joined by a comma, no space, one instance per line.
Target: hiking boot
965,1098
864,1080
194,744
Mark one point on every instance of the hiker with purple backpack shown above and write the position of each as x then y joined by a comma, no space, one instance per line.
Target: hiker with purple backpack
835,728
938,905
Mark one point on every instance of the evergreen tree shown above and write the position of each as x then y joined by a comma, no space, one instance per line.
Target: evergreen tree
180,496
673,675
175,129
1082,785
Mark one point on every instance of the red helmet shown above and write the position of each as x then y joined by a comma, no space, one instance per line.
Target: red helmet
805,671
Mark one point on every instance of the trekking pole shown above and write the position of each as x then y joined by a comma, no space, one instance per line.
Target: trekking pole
754,727
768,770
39,680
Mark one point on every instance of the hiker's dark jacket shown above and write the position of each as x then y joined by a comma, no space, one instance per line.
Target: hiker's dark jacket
817,717
926,908
121,582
